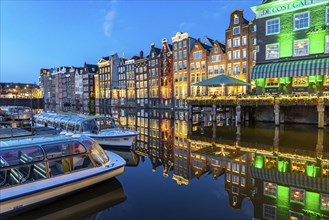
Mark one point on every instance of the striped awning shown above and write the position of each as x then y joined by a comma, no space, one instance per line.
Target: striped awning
312,67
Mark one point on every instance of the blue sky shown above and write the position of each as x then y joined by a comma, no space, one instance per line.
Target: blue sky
44,34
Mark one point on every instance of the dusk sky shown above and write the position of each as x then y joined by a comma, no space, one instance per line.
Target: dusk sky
45,34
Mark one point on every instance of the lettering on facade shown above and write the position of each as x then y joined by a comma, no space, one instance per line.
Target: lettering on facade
287,7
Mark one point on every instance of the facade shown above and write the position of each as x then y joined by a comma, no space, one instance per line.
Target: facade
216,63
56,88
88,83
131,79
78,88
166,76
108,81
122,82
198,68
293,42
182,46
44,86
240,49
141,73
154,77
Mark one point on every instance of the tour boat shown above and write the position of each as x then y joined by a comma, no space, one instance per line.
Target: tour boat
16,113
40,169
100,128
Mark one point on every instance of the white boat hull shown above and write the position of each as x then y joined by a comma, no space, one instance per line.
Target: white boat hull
30,194
114,141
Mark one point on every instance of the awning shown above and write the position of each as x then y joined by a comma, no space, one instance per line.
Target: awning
222,80
290,69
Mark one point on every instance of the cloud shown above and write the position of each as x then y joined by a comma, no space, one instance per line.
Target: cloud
186,25
109,20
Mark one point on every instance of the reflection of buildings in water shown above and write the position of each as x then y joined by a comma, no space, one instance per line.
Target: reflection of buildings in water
280,181
181,154
142,124
91,203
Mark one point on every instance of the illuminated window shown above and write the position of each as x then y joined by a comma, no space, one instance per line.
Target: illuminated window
236,30
269,212
229,55
236,54
243,181
235,179
273,26
301,20
236,42
228,177
228,165
236,19
237,70
243,169
229,69
272,51
216,69
295,216
297,195
244,40
325,201
244,53
229,43
327,44
270,189
301,47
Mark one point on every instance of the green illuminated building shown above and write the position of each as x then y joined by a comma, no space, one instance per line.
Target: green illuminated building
292,46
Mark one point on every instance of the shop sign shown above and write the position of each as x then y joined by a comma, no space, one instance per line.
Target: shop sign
283,8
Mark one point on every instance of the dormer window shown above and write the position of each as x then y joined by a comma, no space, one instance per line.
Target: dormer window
236,19
236,30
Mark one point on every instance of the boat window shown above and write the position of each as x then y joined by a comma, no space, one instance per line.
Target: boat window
89,126
97,153
71,127
12,157
105,123
67,165
63,149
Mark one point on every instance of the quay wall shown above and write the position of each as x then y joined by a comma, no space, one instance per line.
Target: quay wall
36,103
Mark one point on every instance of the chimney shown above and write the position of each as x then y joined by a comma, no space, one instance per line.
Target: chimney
141,54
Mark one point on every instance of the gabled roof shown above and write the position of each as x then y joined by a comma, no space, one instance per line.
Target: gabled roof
208,41
91,68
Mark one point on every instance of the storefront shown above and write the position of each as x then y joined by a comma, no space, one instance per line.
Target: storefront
306,76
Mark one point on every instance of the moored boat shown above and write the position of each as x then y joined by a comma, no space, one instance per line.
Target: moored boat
102,129
39,169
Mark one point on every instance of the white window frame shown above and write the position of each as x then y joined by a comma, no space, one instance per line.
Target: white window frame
244,40
308,24
236,54
308,47
266,32
327,15
237,39
236,28
244,53
326,45
229,55
236,19
229,43
266,55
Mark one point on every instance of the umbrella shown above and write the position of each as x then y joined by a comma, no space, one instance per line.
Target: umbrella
222,80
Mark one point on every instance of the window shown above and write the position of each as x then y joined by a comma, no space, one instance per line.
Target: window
228,165
326,44
179,45
192,66
229,43
301,47
235,179
236,19
272,51
236,54
184,43
244,40
216,69
229,55
296,215
243,181
237,71
244,53
184,53
244,70
270,189
216,50
235,190
255,41
236,30
185,64
301,20
229,69
197,55
222,69
273,26
228,177
236,42
210,70
255,28
175,46
325,201
255,56
297,195
269,212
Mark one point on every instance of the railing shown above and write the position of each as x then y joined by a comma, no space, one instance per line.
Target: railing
265,100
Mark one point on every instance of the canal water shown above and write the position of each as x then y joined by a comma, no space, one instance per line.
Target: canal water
179,170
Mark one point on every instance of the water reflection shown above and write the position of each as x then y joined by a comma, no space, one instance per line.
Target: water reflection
92,203
283,171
